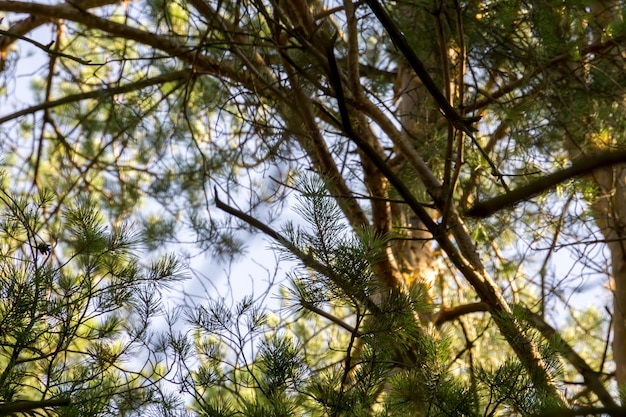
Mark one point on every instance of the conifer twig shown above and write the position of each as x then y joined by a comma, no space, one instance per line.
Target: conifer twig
306,258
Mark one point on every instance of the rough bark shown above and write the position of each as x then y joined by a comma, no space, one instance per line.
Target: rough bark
610,212
610,204
413,249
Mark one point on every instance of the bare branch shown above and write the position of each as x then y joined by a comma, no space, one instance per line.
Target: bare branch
104,92
580,166
46,48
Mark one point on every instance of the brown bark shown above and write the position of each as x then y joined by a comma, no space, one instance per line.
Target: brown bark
610,205
464,256
413,249
610,212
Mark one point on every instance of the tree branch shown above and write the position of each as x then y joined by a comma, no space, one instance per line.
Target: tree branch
46,48
580,166
104,92
597,49
28,406
311,307
524,348
306,258
24,26
462,123
445,315
590,376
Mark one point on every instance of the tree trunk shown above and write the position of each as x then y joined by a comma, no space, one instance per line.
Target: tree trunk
414,249
610,211
610,205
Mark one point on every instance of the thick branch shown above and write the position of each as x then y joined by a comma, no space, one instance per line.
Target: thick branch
28,406
452,313
580,166
523,347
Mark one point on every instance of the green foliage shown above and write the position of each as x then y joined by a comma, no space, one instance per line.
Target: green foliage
246,108
75,312
341,354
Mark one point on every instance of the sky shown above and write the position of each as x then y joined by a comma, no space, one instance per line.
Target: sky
252,273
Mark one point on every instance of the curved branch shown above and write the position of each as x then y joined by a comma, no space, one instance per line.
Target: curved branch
452,313
591,377
104,92
580,166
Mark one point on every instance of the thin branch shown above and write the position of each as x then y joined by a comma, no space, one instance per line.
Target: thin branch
104,92
32,22
306,258
594,49
311,307
590,376
46,48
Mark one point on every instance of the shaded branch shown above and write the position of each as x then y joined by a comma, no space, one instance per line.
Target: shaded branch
580,166
29,406
306,258
462,123
104,92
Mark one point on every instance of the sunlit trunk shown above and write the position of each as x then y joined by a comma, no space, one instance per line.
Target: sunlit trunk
610,204
414,249
610,208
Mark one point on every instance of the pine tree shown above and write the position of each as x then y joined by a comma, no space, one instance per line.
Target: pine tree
76,313
396,123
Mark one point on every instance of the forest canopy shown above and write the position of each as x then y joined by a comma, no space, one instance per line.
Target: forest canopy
433,192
